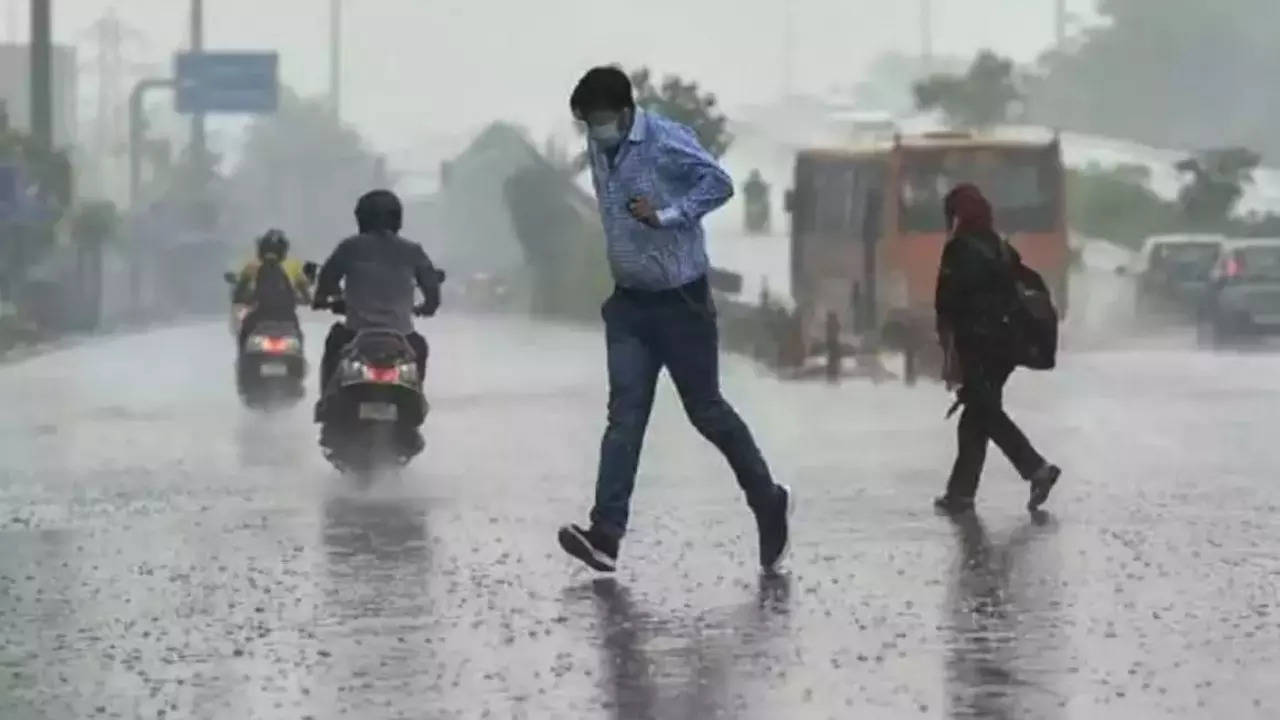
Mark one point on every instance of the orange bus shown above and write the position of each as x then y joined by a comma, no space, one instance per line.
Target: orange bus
867,233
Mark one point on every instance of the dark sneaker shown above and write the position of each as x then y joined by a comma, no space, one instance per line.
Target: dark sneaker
591,547
1042,484
775,530
953,505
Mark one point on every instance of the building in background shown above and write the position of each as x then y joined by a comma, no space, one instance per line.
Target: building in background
15,90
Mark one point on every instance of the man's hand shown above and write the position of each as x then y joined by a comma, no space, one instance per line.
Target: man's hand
643,210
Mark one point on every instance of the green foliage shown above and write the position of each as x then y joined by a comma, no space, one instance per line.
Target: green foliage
301,170
985,95
686,103
95,224
562,239
1117,204
887,83
1217,180
683,102
1171,73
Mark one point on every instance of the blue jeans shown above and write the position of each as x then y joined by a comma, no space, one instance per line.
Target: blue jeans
644,333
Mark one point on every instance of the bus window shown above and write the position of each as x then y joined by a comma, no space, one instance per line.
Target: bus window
843,192
1022,186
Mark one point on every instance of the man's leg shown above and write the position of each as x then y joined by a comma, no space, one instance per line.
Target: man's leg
689,344
971,454
337,339
246,327
633,375
1005,433
420,351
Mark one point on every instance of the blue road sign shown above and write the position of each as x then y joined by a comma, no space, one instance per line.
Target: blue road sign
226,82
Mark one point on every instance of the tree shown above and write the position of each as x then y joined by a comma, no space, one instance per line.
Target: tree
985,95
1117,204
301,170
1171,73
686,103
1216,184
889,80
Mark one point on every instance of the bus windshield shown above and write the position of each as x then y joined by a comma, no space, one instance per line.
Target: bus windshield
1022,184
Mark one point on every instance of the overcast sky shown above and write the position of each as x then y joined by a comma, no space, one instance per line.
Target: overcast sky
414,69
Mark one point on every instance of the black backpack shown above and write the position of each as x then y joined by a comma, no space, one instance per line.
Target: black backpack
1033,317
273,291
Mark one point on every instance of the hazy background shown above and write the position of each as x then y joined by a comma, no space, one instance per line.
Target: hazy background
414,70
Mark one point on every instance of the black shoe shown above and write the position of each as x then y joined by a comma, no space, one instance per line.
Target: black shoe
774,525
1042,484
953,505
591,547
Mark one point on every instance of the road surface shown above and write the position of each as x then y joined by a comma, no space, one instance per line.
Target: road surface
169,554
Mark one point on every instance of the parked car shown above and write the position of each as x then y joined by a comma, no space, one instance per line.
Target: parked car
1173,274
1243,298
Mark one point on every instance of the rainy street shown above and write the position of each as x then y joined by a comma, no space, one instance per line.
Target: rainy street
168,553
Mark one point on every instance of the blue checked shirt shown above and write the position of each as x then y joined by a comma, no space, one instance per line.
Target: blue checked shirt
662,161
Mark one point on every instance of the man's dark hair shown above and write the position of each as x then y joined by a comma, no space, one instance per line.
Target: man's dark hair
602,88
379,210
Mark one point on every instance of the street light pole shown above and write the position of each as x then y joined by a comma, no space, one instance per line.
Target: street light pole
926,34
335,57
42,73
1060,24
197,46
136,134
788,50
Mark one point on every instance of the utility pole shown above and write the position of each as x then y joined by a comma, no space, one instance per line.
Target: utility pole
42,73
111,67
788,50
335,57
197,45
1060,24
926,34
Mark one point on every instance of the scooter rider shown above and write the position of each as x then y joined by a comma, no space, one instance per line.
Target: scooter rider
374,273
271,285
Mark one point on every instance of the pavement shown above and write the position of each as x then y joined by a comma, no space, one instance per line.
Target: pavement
170,554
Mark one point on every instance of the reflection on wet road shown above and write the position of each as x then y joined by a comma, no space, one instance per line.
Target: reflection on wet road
168,554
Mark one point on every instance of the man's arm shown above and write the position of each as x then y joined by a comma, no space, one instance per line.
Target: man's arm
329,282
242,295
711,186
945,297
424,272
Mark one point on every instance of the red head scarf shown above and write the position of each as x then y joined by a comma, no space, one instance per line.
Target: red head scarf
967,211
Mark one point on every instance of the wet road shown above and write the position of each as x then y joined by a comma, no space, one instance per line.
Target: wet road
167,553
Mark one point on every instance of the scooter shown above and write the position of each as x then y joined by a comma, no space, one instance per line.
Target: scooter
270,364
373,406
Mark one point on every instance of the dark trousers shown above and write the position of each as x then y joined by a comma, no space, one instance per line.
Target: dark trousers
340,336
983,420
645,332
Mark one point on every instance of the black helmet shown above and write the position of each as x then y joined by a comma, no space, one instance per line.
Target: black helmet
274,243
379,210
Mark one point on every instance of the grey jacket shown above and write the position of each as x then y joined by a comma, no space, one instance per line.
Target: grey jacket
376,274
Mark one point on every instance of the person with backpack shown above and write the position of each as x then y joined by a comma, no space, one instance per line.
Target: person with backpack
271,285
991,317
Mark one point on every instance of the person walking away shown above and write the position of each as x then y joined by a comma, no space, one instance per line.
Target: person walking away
374,273
755,196
654,183
975,297
271,286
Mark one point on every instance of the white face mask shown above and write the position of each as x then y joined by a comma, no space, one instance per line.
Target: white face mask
607,135
606,129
